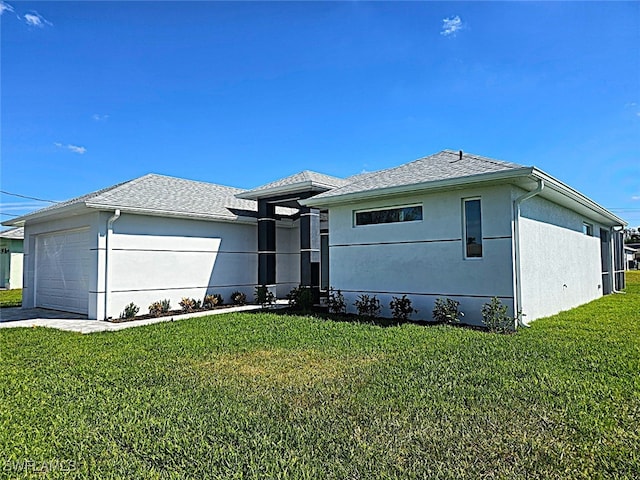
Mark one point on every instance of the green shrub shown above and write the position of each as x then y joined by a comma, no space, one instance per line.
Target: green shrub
401,308
446,310
367,306
158,308
264,296
130,311
336,302
238,298
300,298
211,301
189,304
495,318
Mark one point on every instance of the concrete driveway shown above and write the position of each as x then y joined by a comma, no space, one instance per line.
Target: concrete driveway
40,317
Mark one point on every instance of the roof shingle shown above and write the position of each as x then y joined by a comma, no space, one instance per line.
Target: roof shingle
159,194
300,181
443,165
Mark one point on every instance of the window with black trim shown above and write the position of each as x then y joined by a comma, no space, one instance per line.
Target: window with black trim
473,228
587,229
411,213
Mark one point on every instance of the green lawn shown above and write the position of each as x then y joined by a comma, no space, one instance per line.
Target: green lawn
11,298
270,396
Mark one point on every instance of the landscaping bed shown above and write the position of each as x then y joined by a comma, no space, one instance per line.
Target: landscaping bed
169,313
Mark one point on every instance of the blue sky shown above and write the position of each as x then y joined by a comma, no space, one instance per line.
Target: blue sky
96,93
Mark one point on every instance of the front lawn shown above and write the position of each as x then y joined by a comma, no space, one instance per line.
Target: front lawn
11,298
272,396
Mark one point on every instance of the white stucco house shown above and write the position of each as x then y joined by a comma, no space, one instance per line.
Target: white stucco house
11,258
451,225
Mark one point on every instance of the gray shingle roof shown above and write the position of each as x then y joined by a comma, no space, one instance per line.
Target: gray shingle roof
158,194
13,234
443,165
174,195
303,180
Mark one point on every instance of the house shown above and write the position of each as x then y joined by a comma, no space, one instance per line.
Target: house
451,225
11,258
630,257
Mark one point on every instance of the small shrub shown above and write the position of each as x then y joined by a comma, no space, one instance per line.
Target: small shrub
446,310
158,308
367,306
264,296
189,304
336,302
301,298
130,311
401,308
238,298
211,301
495,318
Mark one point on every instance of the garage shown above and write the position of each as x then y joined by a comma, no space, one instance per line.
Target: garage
62,271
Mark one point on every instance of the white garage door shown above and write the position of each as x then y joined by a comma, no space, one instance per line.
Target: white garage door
62,271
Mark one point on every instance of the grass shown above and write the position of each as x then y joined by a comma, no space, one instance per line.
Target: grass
11,298
272,396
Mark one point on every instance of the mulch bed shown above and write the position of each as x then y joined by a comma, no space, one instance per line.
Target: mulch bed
170,313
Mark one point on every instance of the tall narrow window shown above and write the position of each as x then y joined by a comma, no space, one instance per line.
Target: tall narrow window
473,228
324,261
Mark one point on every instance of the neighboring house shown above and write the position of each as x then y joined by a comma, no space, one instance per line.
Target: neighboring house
447,225
11,258
631,257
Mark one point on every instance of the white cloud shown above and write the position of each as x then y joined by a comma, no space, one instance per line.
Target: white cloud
76,149
635,197
34,19
99,118
5,7
450,26
73,148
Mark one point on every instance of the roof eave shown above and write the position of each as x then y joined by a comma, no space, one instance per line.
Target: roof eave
418,187
576,196
169,213
292,188
532,173
45,213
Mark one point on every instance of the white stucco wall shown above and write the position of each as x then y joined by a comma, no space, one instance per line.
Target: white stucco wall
425,259
560,265
156,258
153,258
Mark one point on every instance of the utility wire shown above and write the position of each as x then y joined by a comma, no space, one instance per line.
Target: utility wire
9,214
26,196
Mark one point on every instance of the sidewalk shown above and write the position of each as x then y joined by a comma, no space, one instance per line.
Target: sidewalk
40,317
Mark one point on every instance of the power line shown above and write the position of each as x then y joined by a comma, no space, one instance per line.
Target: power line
9,214
26,196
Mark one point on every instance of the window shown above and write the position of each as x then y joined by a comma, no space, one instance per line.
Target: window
473,228
587,229
389,215
324,261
